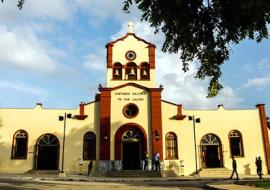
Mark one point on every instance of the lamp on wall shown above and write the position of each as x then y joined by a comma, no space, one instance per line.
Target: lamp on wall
105,136
157,135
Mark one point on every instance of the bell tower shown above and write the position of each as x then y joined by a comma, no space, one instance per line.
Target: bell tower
130,59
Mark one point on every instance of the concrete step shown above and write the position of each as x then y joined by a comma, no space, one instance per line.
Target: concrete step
43,172
134,173
215,172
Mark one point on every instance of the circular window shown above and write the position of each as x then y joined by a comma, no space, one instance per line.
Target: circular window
131,110
131,55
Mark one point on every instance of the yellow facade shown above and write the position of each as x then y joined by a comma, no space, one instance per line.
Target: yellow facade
113,100
219,122
124,96
39,121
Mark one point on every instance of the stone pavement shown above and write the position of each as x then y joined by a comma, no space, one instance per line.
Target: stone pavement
218,183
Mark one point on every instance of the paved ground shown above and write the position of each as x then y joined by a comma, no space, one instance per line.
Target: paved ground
74,182
67,185
71,185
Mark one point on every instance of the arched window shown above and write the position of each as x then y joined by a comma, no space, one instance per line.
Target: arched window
145,71
117,71
19,145
131,71
236,143
171,146
89,146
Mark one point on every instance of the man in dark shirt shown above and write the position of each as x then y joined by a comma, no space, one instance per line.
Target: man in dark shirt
259,166
234,166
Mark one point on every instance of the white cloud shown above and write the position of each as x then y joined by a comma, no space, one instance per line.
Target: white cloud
100,10
248,67
21,87
20,48
258,82
264,64
142,30
95,61
183,88
60,10
180,87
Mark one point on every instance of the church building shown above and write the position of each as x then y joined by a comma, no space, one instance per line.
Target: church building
127,120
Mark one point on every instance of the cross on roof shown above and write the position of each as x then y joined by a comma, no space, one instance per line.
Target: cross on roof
130,27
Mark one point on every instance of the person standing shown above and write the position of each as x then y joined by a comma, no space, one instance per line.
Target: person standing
234,166
153,161
142,163
157,159
90,167
259,166
145,161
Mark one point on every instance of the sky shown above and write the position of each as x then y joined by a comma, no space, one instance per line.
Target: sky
53,52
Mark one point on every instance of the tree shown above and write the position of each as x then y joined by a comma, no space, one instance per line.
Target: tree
203,30
19,5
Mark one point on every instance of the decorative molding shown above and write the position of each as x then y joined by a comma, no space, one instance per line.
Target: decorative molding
130,58
179,115
129,34
130,84
118,139
80,117
126,107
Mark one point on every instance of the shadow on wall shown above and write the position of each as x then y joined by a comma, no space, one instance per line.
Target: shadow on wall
74,148
74,144
5,149
247,169
6,163
73,151
1,123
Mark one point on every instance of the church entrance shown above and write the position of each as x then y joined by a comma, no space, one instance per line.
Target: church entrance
211,151
131,156
47,152
131,150
130,145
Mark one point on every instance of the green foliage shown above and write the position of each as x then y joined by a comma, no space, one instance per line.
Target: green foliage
202,30
263,184
19,5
